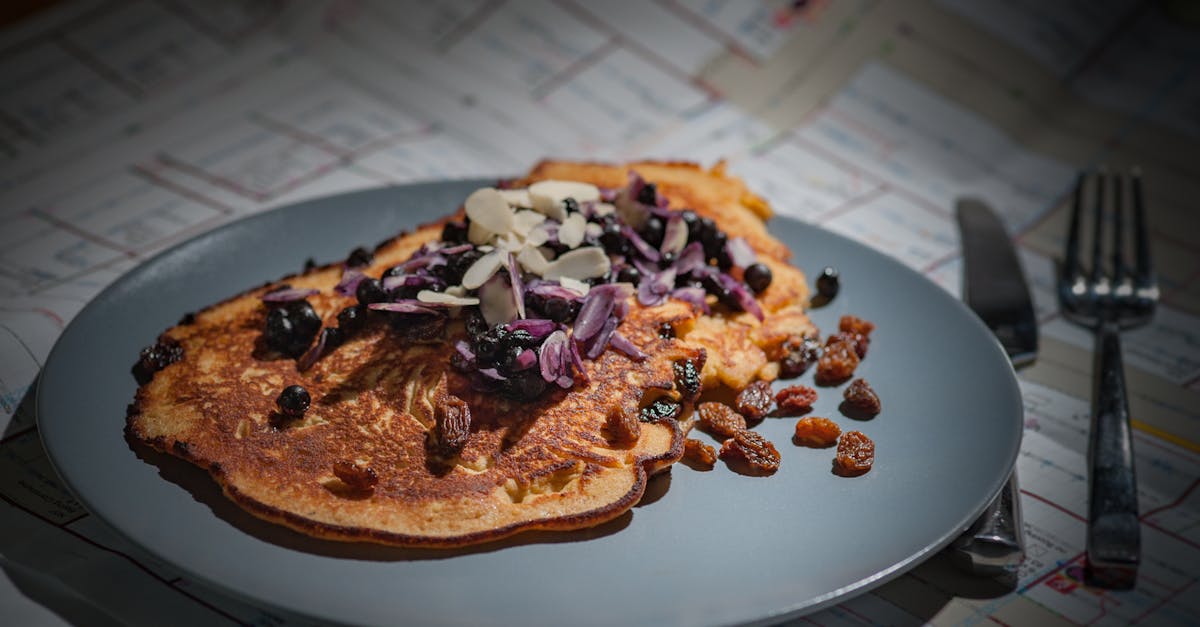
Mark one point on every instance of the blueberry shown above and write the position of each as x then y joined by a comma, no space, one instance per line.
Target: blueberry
714,244
359,257
648,194
559,310
279,330
652,231
526,385
456,266
370,291
454,232
293,401
827,282
571,205
758,277
613,240
660,409
476,325
629,274
305,321
351,319
333,337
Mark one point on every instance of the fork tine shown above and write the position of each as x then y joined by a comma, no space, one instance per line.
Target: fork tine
1070,267
1098,228
1119,270
1145,267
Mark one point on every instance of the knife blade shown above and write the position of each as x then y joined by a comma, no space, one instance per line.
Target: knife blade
994,288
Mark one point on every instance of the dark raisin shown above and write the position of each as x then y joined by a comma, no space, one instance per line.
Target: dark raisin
623,427
855,454
357,477
837,363
452,424
827,282
154,358
687,378
666,331
661,409
758,277
815,432
370,291
861,399
858,341
795,399
800,355
699,453
293,401
648,194
759,454
359,257
719,419
755,400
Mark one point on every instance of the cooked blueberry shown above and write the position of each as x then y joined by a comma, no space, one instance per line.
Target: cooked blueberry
559,309
613,240
305,321
653,230
571,205
333,336
525,385
393,271
370,291
758,277
351,319
293,401
648,195
154,358
714,243
476,325
420,327
827,282
629,274
660,409
454,232
279,330
456,266
359,257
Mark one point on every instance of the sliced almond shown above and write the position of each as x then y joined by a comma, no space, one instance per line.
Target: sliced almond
478,235
603,209
496,301
570,234
487,207
524,221
579,287
516,198
443,298
532,260
456,290
509,243
548,196
482,269
593,230
588,262
538,235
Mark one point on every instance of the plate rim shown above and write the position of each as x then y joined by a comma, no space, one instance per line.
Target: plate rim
804,607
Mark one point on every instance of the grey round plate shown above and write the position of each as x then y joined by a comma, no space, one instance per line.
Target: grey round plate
702,547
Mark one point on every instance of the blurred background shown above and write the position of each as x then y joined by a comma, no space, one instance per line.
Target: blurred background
128,127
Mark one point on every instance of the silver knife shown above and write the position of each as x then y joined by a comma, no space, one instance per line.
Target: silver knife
995,289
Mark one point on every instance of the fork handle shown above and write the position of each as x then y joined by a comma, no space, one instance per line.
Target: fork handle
1114,536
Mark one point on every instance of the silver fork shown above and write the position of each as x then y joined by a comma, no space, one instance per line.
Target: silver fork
1122,298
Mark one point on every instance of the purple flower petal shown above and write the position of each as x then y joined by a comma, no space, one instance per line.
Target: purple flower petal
675,234
518,289
740,252
742,294
600,342
622,343
351,277
405,306
693,295
597,307
537,327
691,259
644,249
317,351
288,294
653,289
527,359
552,357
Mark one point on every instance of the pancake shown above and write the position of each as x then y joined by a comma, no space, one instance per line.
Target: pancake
381,455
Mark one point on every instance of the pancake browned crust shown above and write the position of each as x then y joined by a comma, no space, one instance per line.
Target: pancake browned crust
548,464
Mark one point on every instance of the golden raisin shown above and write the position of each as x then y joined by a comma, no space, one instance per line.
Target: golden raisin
453,424
857,340
623,427
754,401
860,398
759,455
815,432
699,453
795,399
837,363
356,476
856,325
719,419
855,454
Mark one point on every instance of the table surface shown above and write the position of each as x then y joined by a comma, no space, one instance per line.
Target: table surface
127,128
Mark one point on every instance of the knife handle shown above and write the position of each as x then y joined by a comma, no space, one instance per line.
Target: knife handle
994,544
1113,535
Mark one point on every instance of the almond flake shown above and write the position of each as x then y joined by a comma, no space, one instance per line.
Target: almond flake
430,296
570,234
603,209
582,263
487,207
548,196
524,221
482,270
532,260
538,235
578,287
516,198
478,235
593,230
496,301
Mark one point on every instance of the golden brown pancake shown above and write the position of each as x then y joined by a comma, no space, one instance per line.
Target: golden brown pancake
554,463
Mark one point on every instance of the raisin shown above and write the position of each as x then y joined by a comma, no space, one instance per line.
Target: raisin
800,354
687,379
719,419
854,324
624,428
755,400
855,454
757,452
699,453
837,364
858,340
154,358
860,398
816,432
453,424
356,476
795,399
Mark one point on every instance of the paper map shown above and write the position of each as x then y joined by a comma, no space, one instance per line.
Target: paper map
128,127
